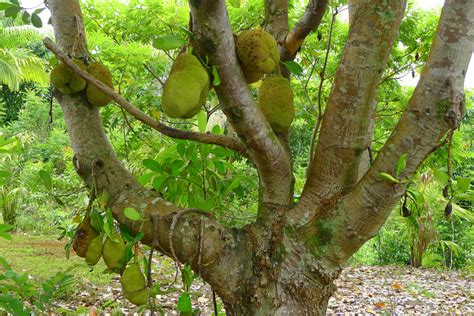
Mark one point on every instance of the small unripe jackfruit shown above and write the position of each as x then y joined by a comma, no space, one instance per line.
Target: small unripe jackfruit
83,237
94,251
134,285
186,89
65,80
275,99
257,52
101,73
113,251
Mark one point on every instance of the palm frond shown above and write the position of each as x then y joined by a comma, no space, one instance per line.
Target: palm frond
18,65
8,73
17,36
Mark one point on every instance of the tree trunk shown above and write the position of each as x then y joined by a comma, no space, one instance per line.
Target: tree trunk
308,299
288,282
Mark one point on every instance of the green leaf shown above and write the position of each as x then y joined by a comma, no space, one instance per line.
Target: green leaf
185,30
158,181
215,74
463,184
401,164
387,177
46,179
25,17
188,277
5,227
184,303
234,3
176,166
441,177
5,5
151,164
36,20
168,42
38,11
4,263
294,67
12,12
5,236
138,237
202,121
132,214
97,220
233,185
416,196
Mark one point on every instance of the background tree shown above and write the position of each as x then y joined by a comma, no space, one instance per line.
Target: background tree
286,260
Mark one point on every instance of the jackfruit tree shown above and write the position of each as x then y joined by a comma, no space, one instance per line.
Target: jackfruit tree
286,261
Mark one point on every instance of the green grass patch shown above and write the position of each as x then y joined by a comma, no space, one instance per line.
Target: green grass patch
42,256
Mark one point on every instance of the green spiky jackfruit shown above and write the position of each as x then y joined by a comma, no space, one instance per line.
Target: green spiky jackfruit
251,76
275,99
65,80
134,285
83,237
257,52
184,60
94,251
113,251
101,73
186,89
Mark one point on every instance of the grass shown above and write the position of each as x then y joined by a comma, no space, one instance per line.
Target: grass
42,256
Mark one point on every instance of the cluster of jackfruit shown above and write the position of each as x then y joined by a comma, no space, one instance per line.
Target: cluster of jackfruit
257,51
186,88
88,244
66,81
275,100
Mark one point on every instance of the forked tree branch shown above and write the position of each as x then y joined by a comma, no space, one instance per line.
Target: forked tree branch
308,23
206,138
436,107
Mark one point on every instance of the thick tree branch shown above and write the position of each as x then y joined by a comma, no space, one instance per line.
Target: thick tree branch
206,138
346,129
96,162
308,23
276,18
437,106
214,37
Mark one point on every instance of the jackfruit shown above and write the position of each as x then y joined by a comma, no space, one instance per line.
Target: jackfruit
101,73
257,52
134,285
186,89
184,60
94,251
83,237
65,80
251,76
113,251
275,99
